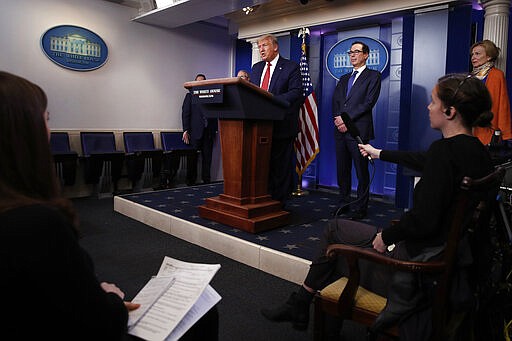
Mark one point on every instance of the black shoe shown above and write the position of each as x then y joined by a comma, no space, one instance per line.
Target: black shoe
294,311
358,215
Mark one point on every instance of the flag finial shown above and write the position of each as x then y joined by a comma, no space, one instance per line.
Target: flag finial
302,34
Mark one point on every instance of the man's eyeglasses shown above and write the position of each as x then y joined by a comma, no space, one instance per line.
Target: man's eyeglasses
354,52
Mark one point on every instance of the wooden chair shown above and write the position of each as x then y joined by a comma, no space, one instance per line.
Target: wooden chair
346,300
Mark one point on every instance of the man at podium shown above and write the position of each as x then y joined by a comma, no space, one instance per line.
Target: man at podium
281,77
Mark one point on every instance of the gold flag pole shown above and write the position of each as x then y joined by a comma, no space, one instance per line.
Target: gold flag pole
299,192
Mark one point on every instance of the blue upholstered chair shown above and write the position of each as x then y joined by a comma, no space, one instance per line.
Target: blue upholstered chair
174,150
102,161
65,159
143,160
172,140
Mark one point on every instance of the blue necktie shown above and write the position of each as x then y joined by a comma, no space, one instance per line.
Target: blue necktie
351,81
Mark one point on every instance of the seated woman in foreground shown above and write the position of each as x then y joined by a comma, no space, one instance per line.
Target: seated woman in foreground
48,282
458,103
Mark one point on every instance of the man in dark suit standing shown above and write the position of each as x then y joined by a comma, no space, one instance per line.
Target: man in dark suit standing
356,94
282,78
200,133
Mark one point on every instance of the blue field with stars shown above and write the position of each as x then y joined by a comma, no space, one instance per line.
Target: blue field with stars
309,216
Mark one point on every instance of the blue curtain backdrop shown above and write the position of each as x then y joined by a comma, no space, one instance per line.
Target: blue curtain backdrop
327,157
243,56
401,115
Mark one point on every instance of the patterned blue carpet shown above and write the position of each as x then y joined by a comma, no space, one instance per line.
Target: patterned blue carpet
309,216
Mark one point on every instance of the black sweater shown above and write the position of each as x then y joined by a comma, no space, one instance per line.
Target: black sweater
442,168
48,283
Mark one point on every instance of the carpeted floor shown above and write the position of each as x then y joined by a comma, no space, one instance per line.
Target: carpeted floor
309,216
128,253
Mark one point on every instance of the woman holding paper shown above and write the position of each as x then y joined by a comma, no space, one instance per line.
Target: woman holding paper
48,285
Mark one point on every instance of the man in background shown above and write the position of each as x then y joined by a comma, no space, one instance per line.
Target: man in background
356,94
244,75
281,77
199,132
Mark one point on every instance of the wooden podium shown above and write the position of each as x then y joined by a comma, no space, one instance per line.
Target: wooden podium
246,113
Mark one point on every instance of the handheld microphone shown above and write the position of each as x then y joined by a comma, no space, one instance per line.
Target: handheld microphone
353,131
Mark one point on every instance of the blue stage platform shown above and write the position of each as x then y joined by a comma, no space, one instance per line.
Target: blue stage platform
285,251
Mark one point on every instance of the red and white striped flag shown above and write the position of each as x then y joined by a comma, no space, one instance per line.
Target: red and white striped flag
306,143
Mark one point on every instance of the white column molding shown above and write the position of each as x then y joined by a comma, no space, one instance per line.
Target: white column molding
255,51
496,27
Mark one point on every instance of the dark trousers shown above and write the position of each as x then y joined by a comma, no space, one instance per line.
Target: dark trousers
281,169
171,163
205,145
347,152
324,271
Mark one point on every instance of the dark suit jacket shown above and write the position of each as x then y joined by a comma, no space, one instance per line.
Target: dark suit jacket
359,102
192,119
285,84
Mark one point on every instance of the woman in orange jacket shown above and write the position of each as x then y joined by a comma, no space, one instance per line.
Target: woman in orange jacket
483,56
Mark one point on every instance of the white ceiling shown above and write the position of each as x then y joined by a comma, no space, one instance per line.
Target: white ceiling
129,3
185,12
270,16
190,11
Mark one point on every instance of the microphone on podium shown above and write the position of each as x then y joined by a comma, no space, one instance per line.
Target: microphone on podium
353,131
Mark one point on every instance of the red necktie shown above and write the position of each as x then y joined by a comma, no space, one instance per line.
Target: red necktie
266,78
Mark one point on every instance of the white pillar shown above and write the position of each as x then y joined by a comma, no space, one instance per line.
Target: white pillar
255,51
496,27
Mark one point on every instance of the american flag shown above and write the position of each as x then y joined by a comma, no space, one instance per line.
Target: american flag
306,143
